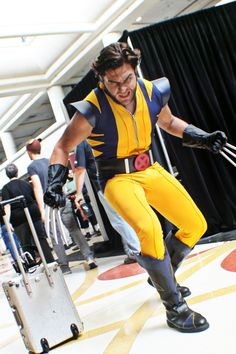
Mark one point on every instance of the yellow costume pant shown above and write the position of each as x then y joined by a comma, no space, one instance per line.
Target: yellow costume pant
131,196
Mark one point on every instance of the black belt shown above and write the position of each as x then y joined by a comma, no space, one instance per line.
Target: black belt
136,163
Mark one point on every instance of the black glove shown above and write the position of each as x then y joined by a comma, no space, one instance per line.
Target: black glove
57,176
197,138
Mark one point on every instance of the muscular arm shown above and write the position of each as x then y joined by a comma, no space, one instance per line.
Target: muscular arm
171,124
77,131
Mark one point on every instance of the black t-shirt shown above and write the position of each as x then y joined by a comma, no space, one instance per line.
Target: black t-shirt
40,167
13,189
84,158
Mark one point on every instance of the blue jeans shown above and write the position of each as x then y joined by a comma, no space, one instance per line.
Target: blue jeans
7,241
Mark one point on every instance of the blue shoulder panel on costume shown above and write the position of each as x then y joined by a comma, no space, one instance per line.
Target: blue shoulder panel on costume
163,85
88,110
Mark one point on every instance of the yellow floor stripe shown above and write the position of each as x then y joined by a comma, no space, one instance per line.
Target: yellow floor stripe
96,332
212,294
9,340
201,255
109,293
130,328
199,261
6,325
206,259
125,338
138,319
123,341
90,278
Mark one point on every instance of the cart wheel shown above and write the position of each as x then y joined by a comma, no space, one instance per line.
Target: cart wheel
74,330
44,345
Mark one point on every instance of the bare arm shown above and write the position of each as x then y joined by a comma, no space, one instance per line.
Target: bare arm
79,181
77,131
38,192
7,209
171,124
79,178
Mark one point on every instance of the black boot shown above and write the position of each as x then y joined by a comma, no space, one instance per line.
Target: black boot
177,251
184,290
179,315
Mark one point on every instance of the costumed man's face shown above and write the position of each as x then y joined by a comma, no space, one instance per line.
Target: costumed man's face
121,83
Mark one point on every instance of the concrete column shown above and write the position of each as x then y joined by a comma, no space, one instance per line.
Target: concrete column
8,144
56,96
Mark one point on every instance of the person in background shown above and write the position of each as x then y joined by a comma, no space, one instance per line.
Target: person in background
85,213
84,161
69,220
17,218
6,239
118,118
38,172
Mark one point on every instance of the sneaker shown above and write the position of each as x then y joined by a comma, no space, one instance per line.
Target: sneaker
30,261
96,233
88,236
92,264
129,260
76,248
31,270
65,269
16,267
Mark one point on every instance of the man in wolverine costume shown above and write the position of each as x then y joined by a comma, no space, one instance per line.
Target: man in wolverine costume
118,119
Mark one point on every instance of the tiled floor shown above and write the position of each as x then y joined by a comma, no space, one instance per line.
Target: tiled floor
122,314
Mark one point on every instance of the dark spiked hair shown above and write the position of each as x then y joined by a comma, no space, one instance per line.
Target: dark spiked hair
11,171
114,56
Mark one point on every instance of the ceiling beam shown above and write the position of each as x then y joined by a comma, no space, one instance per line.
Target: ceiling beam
64,66
46,29
16,111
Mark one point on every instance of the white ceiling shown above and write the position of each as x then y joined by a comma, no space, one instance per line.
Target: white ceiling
52,42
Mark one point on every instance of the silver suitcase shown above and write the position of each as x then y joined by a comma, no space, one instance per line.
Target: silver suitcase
41,302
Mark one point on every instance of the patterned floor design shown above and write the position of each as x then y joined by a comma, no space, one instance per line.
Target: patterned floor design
122,314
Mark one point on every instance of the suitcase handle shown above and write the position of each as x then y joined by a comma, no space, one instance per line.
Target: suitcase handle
21,199
9,231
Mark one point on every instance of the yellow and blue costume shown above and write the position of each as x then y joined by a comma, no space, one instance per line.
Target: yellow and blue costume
118,135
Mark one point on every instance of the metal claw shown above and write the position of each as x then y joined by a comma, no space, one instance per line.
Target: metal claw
228,158
47,215
229,152
53,223
61,226
231,146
